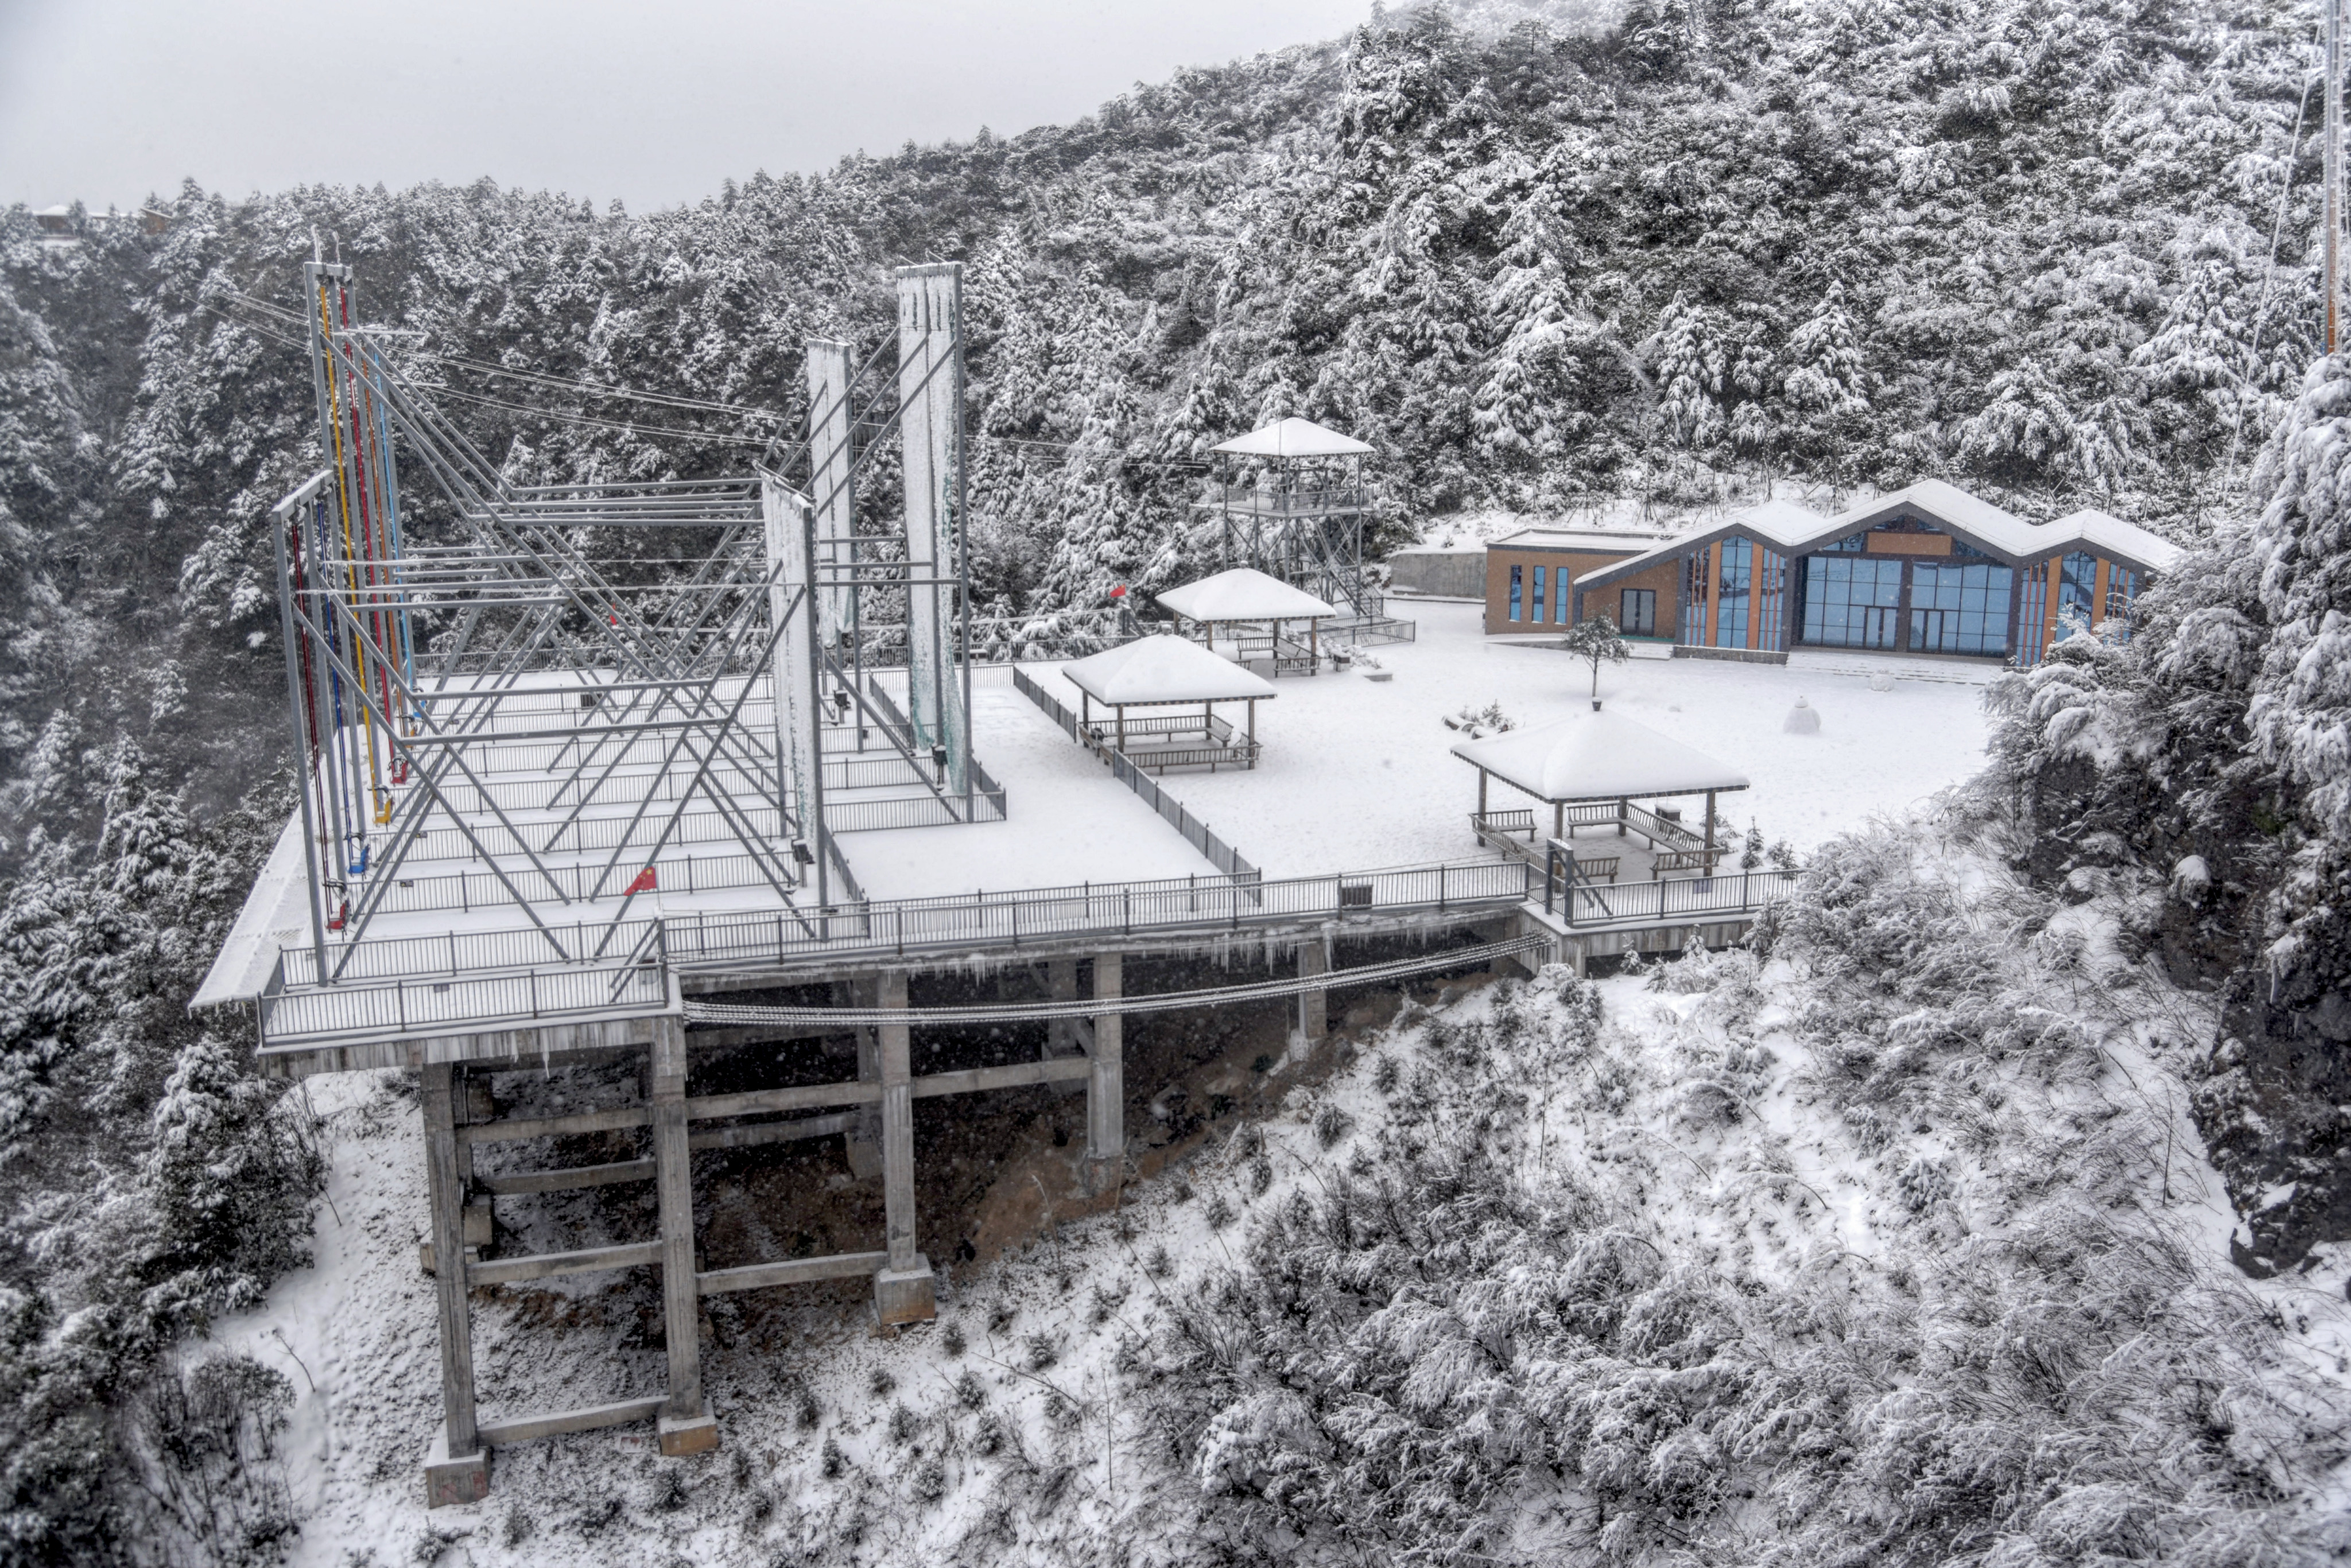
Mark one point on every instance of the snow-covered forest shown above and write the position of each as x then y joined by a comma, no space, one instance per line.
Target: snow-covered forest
2062,254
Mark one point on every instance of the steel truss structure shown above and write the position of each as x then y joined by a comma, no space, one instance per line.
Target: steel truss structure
586,693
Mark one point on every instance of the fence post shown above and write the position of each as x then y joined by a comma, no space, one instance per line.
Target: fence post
534,993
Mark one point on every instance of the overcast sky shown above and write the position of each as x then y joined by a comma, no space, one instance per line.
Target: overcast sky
109,100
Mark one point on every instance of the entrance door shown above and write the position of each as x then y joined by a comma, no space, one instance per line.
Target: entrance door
1880,625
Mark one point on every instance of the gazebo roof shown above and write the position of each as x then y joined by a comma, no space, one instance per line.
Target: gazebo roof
1294,438
1243,594
1598,756
1164,669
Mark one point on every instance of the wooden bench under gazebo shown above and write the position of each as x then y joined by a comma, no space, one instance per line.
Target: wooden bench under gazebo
1246,597
1168,672
1595,770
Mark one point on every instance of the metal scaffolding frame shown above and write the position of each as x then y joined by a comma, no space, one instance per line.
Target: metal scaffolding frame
544,696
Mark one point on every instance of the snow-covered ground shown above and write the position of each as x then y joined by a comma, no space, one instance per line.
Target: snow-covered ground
1069,821
1359,774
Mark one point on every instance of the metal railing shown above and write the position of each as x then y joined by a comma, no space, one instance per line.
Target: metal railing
1044,916
636,984
1259,500
414,985
1584,902
1220,854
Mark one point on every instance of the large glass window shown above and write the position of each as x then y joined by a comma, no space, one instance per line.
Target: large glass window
1852,603
1559,602
2077,586
2122,593
1517,573
1638,612
1737,577
1538,598
1958,609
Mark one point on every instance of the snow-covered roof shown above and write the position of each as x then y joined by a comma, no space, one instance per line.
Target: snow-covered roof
1599,540
1781,522
1598,756
2110,536
1243,593
1294,438
1164,669
2003,530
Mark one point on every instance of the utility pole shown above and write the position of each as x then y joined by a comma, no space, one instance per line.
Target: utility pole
2334,172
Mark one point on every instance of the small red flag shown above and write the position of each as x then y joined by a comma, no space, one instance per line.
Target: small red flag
1119,592
645,882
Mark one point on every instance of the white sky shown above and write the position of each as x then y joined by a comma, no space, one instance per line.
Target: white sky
109,100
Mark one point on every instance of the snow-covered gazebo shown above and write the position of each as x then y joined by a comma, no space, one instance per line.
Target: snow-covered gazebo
1246,597
1169,672
1591,769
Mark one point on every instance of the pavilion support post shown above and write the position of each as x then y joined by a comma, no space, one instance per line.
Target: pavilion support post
1121,726
1313,1007
1710,822
1559,819
1106,1084
903,1291
864,1139
1623,815
685,1424
456,1468
1481,792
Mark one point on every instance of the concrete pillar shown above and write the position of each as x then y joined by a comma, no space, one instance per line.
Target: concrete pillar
1106,1085
1064,1036
864,1135
1313,1007
457,1470
470,1104
902,1291
685,1424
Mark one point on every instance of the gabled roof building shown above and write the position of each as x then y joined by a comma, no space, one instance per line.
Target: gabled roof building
1929,569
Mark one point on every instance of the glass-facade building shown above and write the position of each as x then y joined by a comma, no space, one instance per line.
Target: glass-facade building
1905,579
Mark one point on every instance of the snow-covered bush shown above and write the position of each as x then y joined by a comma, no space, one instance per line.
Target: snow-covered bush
152,1180
1538,1328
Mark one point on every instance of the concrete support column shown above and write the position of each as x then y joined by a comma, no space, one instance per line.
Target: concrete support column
1064,1036
1106,1085
685,1424
1313,1007
1061,985
457,1470
904,1290
470,1104
864,1135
